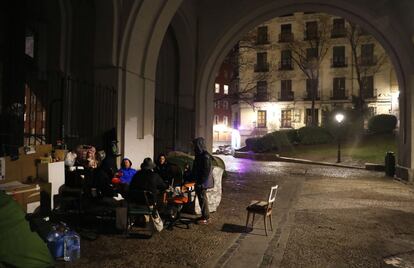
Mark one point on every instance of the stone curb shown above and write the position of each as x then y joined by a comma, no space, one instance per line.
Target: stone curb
276,157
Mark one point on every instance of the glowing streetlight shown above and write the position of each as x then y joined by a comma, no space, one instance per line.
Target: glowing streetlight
339,117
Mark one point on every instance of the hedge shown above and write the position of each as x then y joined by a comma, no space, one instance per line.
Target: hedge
314,135
275,141
382,123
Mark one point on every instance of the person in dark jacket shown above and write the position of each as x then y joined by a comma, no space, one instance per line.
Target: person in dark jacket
147,180
201,172
163,169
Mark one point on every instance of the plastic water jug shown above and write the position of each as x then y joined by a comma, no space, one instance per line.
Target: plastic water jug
71,246
55,243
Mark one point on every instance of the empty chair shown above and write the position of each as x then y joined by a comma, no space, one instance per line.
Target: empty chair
263,208
140,204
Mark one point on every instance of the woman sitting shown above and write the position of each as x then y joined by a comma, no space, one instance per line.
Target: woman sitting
163,169
127,172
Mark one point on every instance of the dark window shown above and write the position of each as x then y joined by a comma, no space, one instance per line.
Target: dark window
261,93
286,34
286,90
262,65
311,53
338,92
262,35
367,87
338,57
338,28
311,30
311,86
286,60
367,54
286,118
308,117
261,118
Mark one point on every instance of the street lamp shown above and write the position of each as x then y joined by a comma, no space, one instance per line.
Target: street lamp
339,117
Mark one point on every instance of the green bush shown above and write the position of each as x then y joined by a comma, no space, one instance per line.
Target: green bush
314,135
382,123
275,141
292,135
251,143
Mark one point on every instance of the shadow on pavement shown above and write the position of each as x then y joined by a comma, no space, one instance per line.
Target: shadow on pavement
235,228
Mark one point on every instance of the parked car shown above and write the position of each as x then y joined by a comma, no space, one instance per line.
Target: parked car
223,149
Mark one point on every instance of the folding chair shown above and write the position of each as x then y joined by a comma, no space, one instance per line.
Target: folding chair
263,208
139,203
177,202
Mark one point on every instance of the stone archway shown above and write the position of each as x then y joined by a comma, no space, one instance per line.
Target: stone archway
140,42
397,45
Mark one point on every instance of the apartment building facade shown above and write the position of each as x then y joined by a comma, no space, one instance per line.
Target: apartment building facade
282,93
222,105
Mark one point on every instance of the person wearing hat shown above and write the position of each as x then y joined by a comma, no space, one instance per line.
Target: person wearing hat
147,180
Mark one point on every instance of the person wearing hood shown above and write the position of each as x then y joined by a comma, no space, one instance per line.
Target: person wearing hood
147,180
163,168
127,171
201,170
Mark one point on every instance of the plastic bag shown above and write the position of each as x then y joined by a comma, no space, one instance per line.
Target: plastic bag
156,219
70,159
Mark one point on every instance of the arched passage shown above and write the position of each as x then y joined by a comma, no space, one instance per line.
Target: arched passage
397,45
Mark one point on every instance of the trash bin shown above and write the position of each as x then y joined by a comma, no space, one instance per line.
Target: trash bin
390,164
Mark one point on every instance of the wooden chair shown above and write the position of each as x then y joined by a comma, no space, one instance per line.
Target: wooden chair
263,208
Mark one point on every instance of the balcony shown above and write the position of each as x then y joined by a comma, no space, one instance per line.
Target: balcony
286,96
285,65
308,95
339,94
263,39
369,93
262,67
286,37
261,97
367,60
339,62
310,35
338,32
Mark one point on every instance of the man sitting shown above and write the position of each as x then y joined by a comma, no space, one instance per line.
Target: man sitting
147,180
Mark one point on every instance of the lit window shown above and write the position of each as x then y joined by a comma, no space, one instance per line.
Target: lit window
217,88
226,89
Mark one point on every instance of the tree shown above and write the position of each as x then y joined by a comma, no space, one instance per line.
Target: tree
255,68
364,65
309,53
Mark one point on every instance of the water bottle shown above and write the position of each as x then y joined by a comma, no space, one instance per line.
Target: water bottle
71,246
55,243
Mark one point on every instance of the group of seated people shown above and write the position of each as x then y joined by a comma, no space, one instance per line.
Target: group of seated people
152,177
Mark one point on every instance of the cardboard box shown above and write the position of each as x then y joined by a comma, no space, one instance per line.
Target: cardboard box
53,173
24,167
29,196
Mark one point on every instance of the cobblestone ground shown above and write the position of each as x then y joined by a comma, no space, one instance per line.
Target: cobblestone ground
324,217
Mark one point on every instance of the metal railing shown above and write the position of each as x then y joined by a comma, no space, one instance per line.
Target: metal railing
285,65
290,96
339,94
339,62
75,111
262,67
286,37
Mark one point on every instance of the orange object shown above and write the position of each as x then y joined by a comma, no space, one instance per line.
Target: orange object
116,180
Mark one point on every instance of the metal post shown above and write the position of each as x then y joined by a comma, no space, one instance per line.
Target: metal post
339,149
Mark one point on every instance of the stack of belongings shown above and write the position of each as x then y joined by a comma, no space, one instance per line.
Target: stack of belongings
86,156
